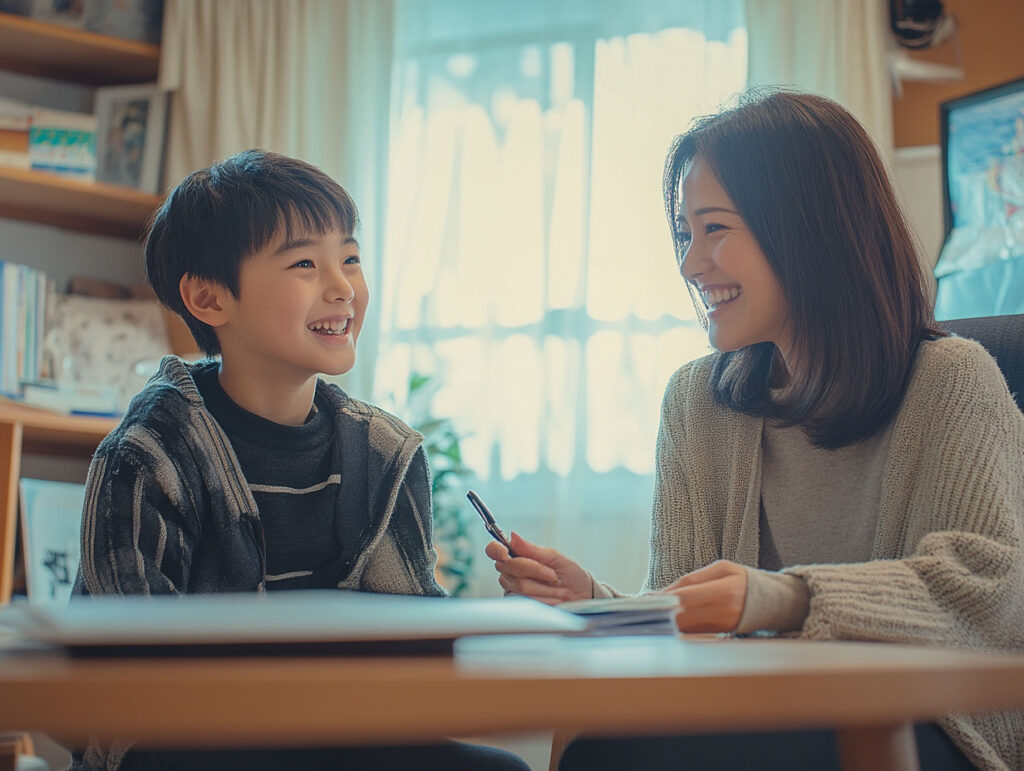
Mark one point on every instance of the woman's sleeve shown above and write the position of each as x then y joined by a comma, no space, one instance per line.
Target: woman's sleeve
140,521
672,532
960,577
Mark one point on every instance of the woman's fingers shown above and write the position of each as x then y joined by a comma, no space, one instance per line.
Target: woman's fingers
521,567
544,592
716,570
496,551
713,598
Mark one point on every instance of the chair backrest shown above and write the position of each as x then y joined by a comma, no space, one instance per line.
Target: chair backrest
1003,337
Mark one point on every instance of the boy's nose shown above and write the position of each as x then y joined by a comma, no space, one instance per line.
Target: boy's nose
340,290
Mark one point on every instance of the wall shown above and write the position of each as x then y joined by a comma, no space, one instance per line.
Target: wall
989,48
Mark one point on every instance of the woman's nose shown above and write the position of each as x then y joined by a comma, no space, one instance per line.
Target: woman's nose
693,262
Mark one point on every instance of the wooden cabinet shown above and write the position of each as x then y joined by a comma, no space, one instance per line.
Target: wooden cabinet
37,48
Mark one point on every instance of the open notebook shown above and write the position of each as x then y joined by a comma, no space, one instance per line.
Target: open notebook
293,622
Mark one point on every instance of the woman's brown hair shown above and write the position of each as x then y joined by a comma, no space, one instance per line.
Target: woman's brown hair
808,181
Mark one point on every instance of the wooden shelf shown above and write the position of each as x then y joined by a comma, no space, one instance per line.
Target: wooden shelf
42,431
91,207
51,432
35,47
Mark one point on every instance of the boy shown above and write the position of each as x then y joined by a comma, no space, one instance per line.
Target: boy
250,473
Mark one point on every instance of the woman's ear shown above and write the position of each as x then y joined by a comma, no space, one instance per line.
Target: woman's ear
207,300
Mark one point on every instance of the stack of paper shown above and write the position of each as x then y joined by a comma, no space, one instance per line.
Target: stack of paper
643,614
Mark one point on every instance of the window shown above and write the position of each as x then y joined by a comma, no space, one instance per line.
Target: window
528,264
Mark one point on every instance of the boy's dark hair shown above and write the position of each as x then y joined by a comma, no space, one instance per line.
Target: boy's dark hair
219,216
809,183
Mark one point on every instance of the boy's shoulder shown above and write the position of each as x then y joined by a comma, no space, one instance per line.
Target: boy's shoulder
353,416
165,404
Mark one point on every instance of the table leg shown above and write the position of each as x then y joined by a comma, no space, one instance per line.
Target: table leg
878,748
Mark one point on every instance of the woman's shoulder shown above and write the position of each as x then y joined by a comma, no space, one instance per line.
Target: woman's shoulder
956,359
951,371
689,391
692,377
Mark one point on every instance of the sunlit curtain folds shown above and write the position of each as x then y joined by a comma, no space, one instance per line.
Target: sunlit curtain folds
527,262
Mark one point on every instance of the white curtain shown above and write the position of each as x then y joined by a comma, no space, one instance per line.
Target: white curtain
307,78
837,48
528,266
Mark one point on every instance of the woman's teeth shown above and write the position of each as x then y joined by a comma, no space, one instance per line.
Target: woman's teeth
715,297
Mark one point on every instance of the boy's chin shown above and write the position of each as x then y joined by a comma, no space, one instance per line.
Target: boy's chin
340,369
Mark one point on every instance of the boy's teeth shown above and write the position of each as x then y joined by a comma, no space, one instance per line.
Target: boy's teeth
331,328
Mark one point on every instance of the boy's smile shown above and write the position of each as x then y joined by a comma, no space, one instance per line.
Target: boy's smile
298,313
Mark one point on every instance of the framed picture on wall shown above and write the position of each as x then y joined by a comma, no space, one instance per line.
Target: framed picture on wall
130,126
983,156
980,270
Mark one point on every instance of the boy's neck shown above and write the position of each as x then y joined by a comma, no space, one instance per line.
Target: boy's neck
278,400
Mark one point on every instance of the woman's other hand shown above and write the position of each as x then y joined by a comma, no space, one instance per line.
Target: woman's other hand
539,572
712,598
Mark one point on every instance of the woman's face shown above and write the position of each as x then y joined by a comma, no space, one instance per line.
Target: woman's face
723,261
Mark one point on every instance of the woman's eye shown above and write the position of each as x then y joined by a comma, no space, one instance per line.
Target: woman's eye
712,227
684,238
303,264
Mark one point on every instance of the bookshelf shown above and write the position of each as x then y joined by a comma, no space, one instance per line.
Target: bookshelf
89,207
33,47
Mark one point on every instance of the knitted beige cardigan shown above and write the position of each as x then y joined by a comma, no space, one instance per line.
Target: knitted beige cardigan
947,566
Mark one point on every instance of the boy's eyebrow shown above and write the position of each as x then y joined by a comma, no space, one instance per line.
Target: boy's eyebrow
299,243
295,243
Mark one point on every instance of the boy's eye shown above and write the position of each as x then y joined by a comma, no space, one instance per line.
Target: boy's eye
303,264
353,260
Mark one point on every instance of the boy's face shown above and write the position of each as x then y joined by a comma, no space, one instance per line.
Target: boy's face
299,309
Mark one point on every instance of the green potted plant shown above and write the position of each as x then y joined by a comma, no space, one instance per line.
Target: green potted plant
442,445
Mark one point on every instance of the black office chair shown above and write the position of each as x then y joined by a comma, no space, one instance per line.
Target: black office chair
1001,336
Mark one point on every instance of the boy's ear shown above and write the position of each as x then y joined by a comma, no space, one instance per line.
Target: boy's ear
207,300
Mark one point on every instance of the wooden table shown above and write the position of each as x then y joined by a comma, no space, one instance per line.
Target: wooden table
871,693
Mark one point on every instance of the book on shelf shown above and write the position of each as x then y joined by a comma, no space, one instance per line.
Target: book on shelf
26,296
643,614
72,398
63,143
15,122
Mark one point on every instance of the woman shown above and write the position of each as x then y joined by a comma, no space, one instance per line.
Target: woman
840,468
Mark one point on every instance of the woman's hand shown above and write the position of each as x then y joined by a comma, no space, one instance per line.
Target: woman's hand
712,598
539,572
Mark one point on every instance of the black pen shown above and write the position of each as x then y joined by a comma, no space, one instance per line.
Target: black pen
489,523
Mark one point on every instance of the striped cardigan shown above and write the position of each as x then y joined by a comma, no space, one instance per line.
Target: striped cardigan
166,482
